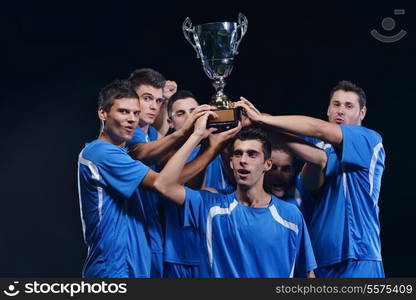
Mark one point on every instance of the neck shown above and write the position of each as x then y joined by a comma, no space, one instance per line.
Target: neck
107,138
254,196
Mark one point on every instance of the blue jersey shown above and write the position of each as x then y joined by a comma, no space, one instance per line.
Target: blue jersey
151,198
183,245
140,136
243,241
344,223
112,213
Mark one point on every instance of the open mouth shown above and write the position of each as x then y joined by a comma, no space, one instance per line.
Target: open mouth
243,171
339,121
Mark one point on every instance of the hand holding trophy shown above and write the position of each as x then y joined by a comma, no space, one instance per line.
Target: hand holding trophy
216,45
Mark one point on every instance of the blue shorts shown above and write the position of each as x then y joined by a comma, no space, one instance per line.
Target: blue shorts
156,269
352,268
172,270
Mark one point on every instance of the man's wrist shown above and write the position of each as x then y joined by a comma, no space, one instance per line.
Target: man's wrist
196,137
262,119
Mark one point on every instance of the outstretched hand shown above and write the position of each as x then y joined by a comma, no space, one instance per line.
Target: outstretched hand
250,114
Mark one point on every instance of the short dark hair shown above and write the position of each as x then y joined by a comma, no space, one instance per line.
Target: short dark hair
255,133
181,94
348,86
117,89
278,146
147,76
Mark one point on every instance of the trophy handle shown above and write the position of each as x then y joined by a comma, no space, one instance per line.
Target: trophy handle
242,25
188,31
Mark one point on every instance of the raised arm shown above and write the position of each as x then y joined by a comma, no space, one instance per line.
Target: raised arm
169,182
150,153
194,171
299,125
313,177
161,122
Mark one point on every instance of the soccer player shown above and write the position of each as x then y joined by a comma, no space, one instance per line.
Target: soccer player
248,233
148,146
183,254
344,229
112,212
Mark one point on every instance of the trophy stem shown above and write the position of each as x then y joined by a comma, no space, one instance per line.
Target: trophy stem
220,100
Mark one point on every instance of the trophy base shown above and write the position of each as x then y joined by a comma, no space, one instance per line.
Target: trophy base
227,118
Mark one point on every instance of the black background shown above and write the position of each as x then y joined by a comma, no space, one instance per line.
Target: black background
55,56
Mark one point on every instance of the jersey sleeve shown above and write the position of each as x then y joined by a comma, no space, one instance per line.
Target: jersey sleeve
196,207
120,172
359,145
193,208
305,258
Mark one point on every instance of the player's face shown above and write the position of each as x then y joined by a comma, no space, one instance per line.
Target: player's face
151,99
121,121
181,109
280,176
344,109
248,163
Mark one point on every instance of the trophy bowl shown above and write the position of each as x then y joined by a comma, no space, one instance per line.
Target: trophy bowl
216,44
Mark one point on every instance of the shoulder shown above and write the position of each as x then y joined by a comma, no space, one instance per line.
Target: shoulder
286,209
358,131
210,198
101,152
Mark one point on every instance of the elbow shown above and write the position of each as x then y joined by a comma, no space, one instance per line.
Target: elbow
318,158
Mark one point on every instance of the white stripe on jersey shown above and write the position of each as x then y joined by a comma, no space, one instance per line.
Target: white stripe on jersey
279,219
376,150
293,268
216,210
344,184
79,197
322,145
96,176
287,224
